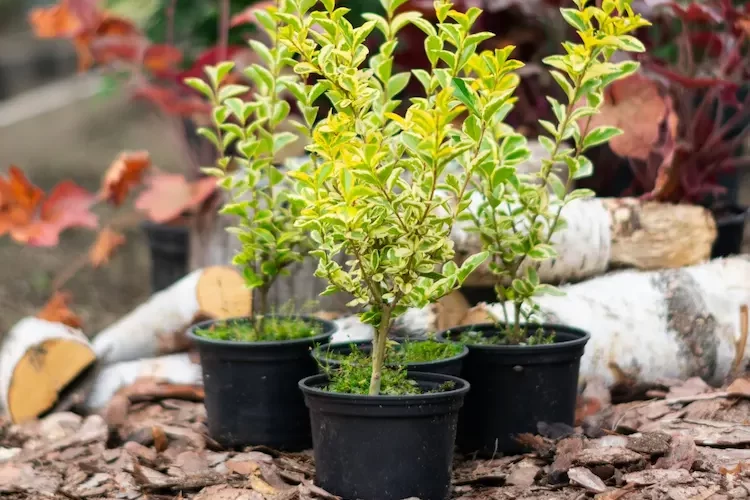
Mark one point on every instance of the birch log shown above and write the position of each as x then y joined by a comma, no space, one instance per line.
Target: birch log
173,369
158,326
645,326
38,361
605,233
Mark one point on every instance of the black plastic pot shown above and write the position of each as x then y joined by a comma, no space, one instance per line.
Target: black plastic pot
169,253
385,447
448,366
251,388
730,223
514,388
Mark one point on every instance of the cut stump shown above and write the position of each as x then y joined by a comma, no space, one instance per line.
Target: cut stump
38,361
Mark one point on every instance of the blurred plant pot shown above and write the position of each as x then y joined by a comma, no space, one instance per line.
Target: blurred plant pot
385,447
251,387
169,245
730,225
446,366
515,387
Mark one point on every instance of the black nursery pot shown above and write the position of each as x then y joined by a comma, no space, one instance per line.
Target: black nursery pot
251,396
385,447
169,253
514,388
730,223
448,366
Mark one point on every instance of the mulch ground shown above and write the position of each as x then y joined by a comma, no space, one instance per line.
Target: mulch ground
686,442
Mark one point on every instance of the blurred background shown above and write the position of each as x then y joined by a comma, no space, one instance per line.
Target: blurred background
63,116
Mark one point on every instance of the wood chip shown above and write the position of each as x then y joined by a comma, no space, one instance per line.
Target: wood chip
160,438
581,476
602,456
682,454
523,474
567,450
649,443
224,492
658,476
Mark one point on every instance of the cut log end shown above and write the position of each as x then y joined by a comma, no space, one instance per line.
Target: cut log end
222,293
43,359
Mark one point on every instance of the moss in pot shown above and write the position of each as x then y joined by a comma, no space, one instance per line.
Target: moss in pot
523,373
415,355
251,365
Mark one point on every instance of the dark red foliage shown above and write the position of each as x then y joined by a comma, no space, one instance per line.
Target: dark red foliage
705,81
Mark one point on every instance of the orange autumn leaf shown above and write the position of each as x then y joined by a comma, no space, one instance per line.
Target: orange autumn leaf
124,173
105,245
636,106
161,58
57,21
31,217
57,310
169,195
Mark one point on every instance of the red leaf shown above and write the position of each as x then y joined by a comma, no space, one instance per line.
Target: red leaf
161,59
172,101
696,13
709,41
67,206
169,195
124,173
689,82
32,219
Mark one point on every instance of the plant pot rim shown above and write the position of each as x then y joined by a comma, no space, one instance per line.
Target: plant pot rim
329,329
581,338
318,351
310,386
736,214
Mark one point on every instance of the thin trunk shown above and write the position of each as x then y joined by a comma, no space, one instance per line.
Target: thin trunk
262,309
378,351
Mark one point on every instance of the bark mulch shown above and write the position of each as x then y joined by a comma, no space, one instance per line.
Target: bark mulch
687,441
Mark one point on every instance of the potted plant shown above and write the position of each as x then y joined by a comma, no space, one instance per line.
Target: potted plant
251,365
523,373
375,188
422,355
692,102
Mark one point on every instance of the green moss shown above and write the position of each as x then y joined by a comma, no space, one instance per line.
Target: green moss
410,352
353,377
425,351
272,329
538,337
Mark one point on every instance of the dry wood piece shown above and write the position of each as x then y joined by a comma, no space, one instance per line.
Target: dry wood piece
158,326
605,456
658,476
587,479
38,361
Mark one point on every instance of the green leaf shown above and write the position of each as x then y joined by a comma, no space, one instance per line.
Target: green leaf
397,83
542,252
557,186
281,140
564,83
200,85
584,168
580,194
470,265
600,135
574,18
425,25
229,91
545,289
630,44
463,94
